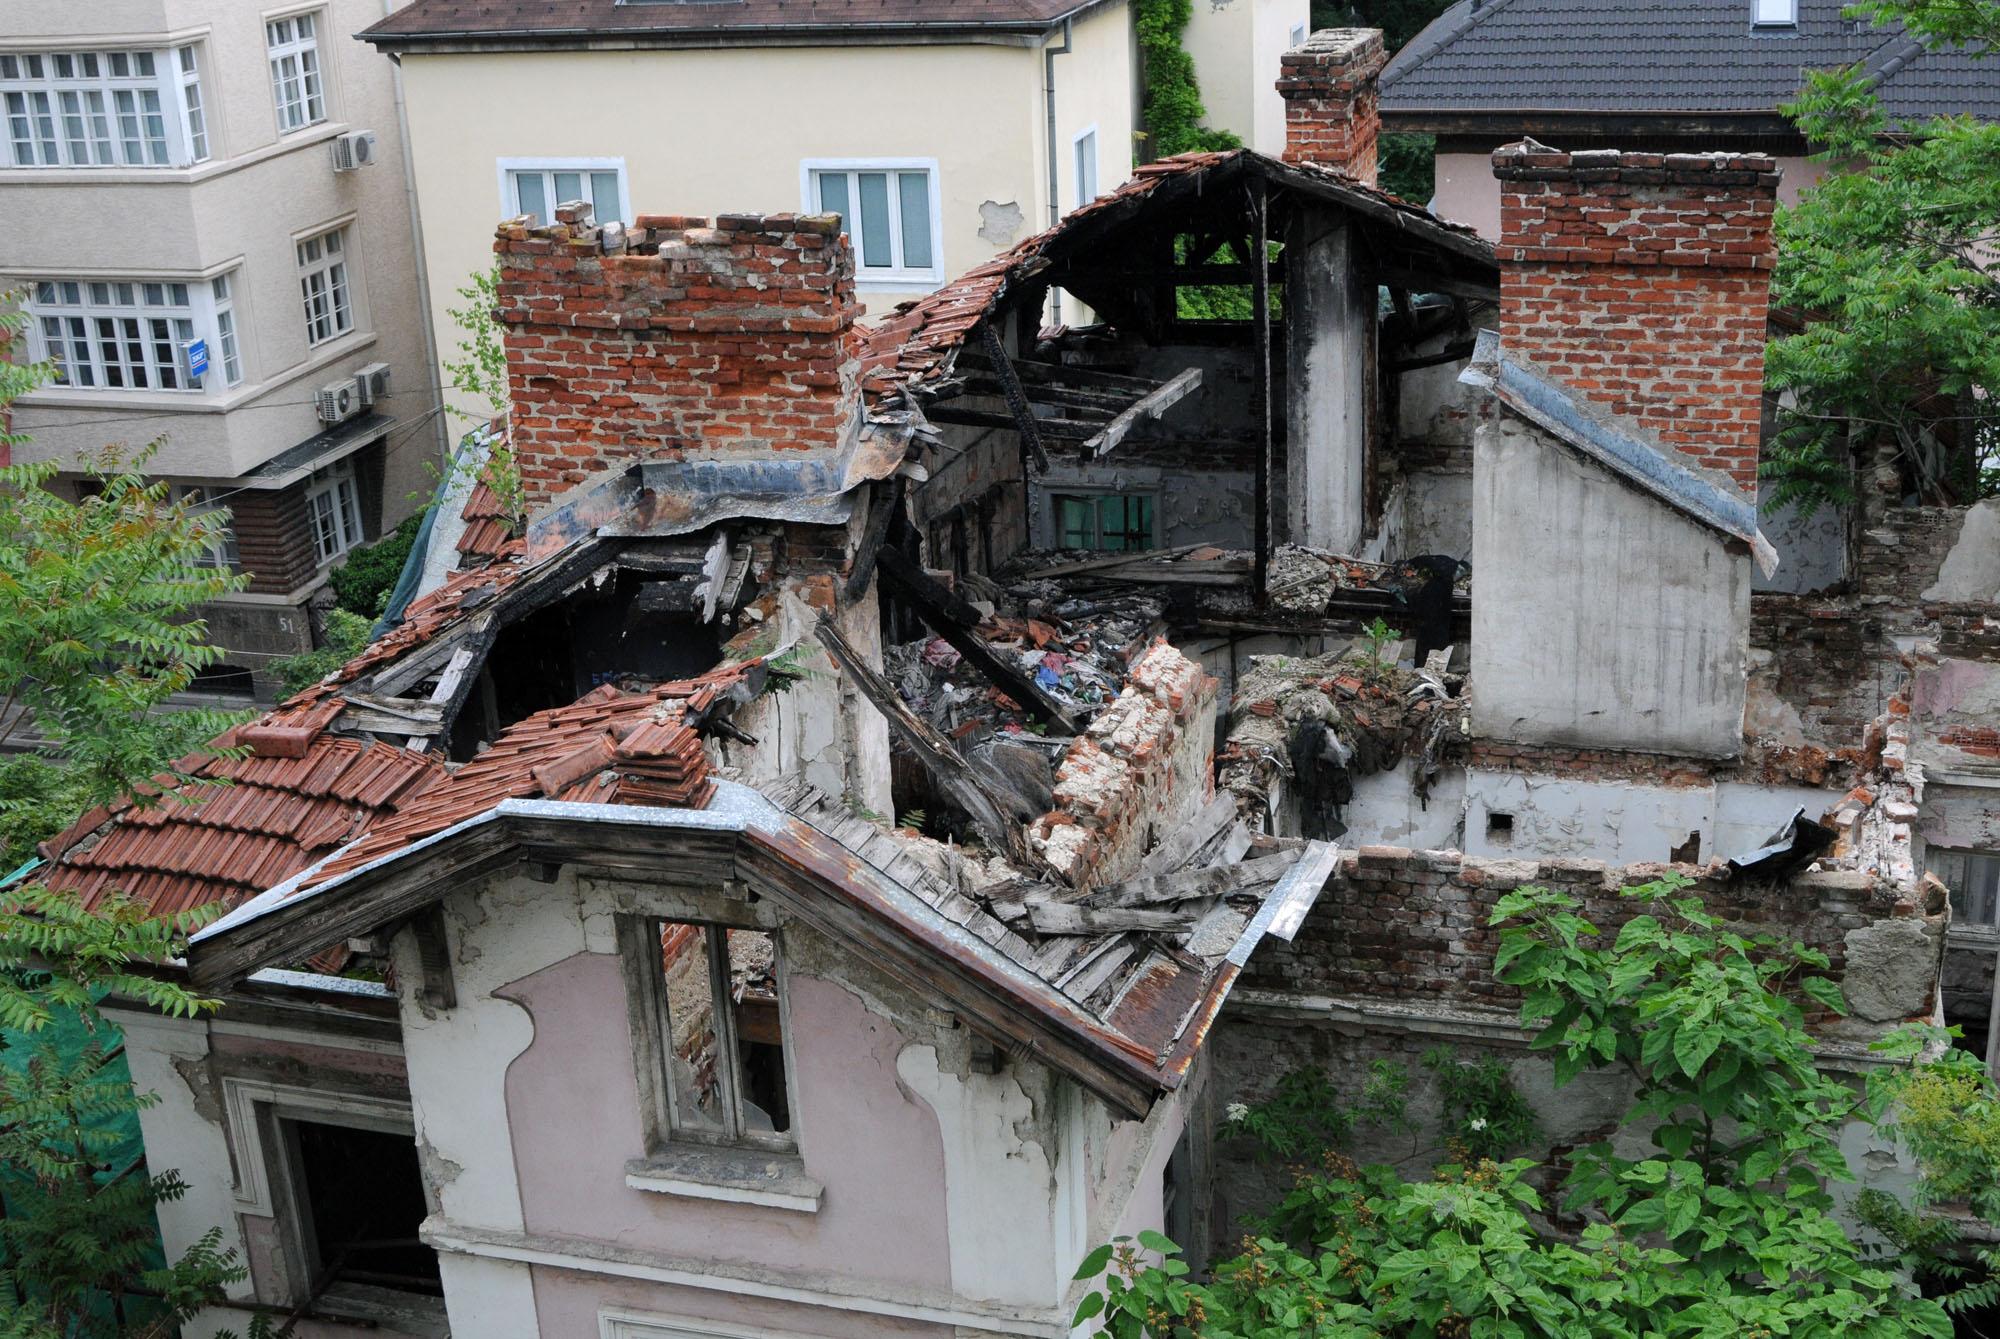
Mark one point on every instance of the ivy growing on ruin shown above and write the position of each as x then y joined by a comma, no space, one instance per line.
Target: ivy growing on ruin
1173,107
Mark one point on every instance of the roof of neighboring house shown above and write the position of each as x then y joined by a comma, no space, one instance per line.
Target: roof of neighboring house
580,22
917,341
1669,57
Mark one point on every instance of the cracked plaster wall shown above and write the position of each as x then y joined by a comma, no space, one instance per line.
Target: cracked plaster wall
1624,822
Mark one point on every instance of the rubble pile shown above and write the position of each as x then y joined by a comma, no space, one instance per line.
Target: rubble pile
1316,723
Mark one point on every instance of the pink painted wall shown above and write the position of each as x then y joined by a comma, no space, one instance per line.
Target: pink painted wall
573,1112
568,1303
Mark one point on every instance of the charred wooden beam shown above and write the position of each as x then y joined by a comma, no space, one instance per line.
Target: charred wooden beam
1107,402
883,507
971,788
940,610
1151,406
1412,281
1017,403
1070,429
904,573
1260,305
1069,374
1454,353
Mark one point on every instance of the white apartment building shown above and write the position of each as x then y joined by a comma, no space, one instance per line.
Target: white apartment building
206,213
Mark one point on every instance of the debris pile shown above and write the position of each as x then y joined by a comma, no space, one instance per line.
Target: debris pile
1301,729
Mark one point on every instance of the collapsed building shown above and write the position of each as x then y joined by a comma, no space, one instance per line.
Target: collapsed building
826,866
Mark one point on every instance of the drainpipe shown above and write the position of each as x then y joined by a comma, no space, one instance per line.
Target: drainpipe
1049,53
433,373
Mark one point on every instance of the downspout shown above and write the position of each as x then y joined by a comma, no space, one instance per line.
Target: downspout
432,373
1049,53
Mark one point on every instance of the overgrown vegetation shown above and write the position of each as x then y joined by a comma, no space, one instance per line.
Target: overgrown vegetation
347,636
1722,1228
480,374
362,583
1887,258
1172,99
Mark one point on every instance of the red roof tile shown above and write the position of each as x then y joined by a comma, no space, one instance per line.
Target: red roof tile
488,527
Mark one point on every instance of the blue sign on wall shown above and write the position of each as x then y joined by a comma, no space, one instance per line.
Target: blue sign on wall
197,356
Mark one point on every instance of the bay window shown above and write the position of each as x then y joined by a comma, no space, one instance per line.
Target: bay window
134,334
103,108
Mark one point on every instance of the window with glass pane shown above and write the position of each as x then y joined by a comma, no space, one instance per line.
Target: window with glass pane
1112,522
714,993
323,286
1775,13
1086,167
887,216
115,335
1974,880
221,551
293,47
102,109
334,508
225,331
536,191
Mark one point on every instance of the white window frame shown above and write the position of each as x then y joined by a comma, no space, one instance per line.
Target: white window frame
1774,13
330,487
199,318
223,553
880,277
194,112
228,351
330,280
507,168
308,70
1076,155
37,97
1297,37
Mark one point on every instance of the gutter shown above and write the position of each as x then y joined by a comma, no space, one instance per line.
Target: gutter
1049,53
433,375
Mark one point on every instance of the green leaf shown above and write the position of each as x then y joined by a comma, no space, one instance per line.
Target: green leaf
1154,1241
1091,1305
1094,1263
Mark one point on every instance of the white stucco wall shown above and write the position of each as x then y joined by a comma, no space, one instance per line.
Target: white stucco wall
1235,45
1623,822
238,213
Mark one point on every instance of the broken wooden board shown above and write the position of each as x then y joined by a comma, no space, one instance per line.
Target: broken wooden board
1185,885
1180,845
1017,402
1067,918
1150,406
972,790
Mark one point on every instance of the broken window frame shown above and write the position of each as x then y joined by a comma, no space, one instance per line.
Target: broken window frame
652,1033
1096,500
899,273
1955,866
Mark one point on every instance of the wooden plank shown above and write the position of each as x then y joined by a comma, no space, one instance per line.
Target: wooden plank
1186,885
1110,560
883,506
1067,373
1017,403
1148,407
972,790
902,572
1260,306
1074,429
1068,918
1181,844
1097,401
933,604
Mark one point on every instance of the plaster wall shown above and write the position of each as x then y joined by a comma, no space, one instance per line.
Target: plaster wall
1622,822
1961,817
1468,193
946,1192
1329,356
1603,617
1954,705
238,213
1812,548
1235,45
1386,810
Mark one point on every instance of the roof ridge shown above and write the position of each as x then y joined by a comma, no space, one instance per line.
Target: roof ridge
1475,13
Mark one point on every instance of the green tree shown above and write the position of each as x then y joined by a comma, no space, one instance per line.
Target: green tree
1172,98
98,627
1723,1228
1886,258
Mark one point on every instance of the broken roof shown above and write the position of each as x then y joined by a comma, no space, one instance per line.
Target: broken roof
447,24
917,343
1512,57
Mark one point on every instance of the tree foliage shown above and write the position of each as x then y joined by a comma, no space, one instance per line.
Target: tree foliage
1172,96
1886,258
1721,1228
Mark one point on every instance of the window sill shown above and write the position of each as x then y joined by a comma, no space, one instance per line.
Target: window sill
898,283
729,1175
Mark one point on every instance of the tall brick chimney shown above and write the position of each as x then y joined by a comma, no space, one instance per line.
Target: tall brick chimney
1641,281
1332,108
678,339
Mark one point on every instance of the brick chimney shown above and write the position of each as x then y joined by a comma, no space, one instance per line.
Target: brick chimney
679,338
1640,281
1332,108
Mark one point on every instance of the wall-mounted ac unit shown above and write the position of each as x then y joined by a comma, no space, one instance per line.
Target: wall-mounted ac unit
373,382
338,402
354,149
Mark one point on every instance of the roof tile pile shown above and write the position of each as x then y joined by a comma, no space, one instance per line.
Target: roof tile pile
488,527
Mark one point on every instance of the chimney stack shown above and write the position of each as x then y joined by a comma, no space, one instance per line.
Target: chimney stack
1333,110
1641,282
676,339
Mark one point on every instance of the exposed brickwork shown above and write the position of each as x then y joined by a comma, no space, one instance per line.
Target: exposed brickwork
1898,553
1641,281
1332,107
1968,631
1404,925
681,338
1142,767
1650,769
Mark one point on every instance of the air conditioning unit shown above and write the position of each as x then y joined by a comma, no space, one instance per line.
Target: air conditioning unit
373,383
354,149
338,402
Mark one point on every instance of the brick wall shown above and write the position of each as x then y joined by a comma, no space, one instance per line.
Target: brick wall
1332,107
1968,631
1641,281
1407,925
677,339
1899,552
274,538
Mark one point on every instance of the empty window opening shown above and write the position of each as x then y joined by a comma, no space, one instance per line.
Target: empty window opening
1688,852
1113,522
1974,880
360,1200
1499,828
726,1075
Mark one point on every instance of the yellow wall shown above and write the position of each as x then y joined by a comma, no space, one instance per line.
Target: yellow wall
1235,46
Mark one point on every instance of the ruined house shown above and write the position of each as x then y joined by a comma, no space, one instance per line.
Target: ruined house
827,866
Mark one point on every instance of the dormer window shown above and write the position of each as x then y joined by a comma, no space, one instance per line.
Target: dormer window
1774,13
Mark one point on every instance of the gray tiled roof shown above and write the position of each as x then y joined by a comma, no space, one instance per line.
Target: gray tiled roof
1671,56
565,22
